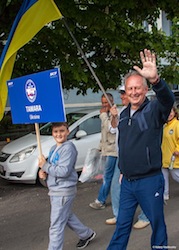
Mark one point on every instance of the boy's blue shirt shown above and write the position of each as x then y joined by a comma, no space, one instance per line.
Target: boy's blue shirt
55,158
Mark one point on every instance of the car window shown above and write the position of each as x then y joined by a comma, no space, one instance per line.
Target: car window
46,129
73,117
91,126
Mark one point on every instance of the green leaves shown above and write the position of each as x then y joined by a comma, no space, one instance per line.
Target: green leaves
110,33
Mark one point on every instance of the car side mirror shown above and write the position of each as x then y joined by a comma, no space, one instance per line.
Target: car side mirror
80,134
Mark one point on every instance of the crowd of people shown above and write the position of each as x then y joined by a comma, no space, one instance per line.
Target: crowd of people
141,147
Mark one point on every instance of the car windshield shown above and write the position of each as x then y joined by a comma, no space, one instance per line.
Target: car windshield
71,118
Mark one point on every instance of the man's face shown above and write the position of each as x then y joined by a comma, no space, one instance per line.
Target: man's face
135,91
105,104
124,98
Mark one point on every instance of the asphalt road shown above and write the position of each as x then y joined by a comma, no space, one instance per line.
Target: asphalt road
25,210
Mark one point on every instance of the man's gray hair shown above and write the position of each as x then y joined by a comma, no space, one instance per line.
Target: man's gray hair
133,73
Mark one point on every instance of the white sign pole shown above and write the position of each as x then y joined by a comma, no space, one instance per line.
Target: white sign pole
38,138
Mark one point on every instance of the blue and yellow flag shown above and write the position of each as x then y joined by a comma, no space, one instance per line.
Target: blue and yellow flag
31,18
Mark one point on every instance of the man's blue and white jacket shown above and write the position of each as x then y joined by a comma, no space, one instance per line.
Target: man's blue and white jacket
140,136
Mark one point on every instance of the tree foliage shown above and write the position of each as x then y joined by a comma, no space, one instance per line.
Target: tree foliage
110,33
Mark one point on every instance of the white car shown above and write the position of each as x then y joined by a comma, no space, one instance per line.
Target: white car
19,158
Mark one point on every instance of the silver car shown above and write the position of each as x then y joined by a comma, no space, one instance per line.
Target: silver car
19,158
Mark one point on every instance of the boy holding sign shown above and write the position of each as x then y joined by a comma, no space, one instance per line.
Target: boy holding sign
61,181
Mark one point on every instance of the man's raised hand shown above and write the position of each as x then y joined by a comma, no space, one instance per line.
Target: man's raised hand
149,70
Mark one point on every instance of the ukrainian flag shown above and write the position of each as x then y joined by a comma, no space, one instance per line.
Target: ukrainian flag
31,18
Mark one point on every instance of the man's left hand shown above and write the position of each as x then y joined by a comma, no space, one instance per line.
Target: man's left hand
149,70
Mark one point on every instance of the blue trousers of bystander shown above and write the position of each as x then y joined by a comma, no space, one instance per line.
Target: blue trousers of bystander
107,178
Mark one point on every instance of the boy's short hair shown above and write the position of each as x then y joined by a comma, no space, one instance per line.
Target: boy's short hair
59,124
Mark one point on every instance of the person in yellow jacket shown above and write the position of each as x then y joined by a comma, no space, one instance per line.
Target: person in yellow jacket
170,150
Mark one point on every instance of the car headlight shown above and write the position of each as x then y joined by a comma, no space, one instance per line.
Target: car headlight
22,155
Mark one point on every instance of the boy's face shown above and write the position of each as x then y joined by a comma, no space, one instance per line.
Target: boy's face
60,134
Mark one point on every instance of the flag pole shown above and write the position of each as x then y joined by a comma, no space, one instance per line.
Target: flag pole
87,62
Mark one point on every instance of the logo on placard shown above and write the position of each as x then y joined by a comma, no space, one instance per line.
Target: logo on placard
31,91
53,74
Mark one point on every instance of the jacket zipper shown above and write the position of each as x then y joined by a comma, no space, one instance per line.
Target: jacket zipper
130,121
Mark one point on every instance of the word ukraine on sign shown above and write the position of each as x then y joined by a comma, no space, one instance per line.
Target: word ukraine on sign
37,98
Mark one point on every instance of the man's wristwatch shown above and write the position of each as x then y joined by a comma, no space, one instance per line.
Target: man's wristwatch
156,81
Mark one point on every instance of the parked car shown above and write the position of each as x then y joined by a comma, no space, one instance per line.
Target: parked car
10,131
19,158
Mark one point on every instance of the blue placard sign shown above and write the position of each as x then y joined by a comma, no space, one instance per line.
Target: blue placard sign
37,98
